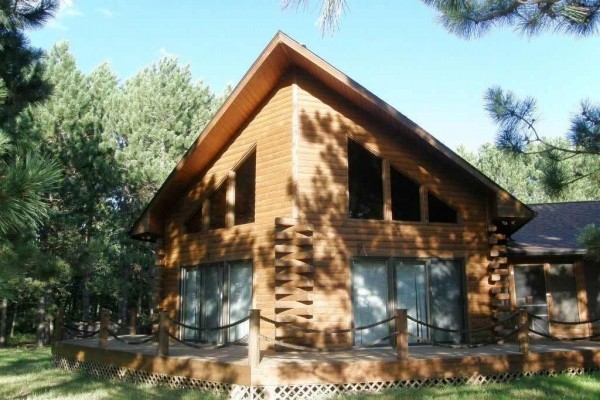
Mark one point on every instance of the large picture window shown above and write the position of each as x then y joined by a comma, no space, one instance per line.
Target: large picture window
218,207
232,202
365,183
378,190
245,190
213,295
536,284
439,211
431,290
406,202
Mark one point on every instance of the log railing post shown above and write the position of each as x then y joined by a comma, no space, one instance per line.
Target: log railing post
254,338
59,325
133,321
523,335
104,322
163,333
401,334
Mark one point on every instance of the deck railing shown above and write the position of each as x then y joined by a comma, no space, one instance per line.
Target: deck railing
400,334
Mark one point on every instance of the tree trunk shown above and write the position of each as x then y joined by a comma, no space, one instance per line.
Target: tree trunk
40,333
3,319
85,297
124,294
12,322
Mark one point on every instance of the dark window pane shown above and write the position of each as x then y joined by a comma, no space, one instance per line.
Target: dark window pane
190,303
564,294
405,197
365,183
440,211
446,298
218,207
194,223
245,190
592,284
530,290
211,301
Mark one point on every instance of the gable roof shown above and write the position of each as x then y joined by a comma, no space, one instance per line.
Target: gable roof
281,54
555,229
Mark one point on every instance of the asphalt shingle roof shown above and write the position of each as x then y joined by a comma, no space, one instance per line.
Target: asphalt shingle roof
555,228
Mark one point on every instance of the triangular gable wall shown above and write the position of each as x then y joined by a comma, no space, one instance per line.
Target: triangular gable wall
281,55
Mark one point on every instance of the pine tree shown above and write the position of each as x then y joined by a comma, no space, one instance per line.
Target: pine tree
25,175
71,125
523,176
158,115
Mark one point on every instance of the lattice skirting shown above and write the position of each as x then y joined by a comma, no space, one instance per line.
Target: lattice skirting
291,392
230,391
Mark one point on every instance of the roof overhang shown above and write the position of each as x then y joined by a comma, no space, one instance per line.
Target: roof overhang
281,54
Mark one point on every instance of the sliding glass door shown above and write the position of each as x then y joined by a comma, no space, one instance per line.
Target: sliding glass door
446,299
239,297
431,290
190,303
370,287
214,295
411,294
211,301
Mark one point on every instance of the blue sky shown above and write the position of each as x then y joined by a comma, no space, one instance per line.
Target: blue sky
396,49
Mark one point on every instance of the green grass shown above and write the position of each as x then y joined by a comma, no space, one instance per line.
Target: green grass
29,374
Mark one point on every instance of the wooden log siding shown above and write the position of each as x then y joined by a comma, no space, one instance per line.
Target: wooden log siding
269,131
300,134
293,278
326,122
499,276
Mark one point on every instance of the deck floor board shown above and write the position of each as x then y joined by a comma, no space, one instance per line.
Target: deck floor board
239,354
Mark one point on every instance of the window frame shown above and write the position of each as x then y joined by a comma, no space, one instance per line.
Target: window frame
224,334
387,210
392,290
230,199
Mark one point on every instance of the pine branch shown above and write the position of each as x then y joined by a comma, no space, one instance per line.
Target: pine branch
473,18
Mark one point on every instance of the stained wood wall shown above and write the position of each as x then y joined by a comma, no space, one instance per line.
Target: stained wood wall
301,134
325,122
269,131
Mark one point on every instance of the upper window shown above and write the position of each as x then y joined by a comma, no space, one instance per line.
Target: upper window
406,204
365,183
218,207
194,223
245,190
224,210
440,211
367,180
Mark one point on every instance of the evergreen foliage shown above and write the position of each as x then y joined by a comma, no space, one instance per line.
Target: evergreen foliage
472,18
115,143
564,163
21,67
524,176
590,239
26,174
156,117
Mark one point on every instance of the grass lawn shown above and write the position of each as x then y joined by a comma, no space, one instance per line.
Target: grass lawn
29,374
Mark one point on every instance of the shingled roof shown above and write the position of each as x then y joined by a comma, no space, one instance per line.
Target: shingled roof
555,228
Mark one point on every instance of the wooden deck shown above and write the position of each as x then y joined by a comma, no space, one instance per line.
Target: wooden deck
230,364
